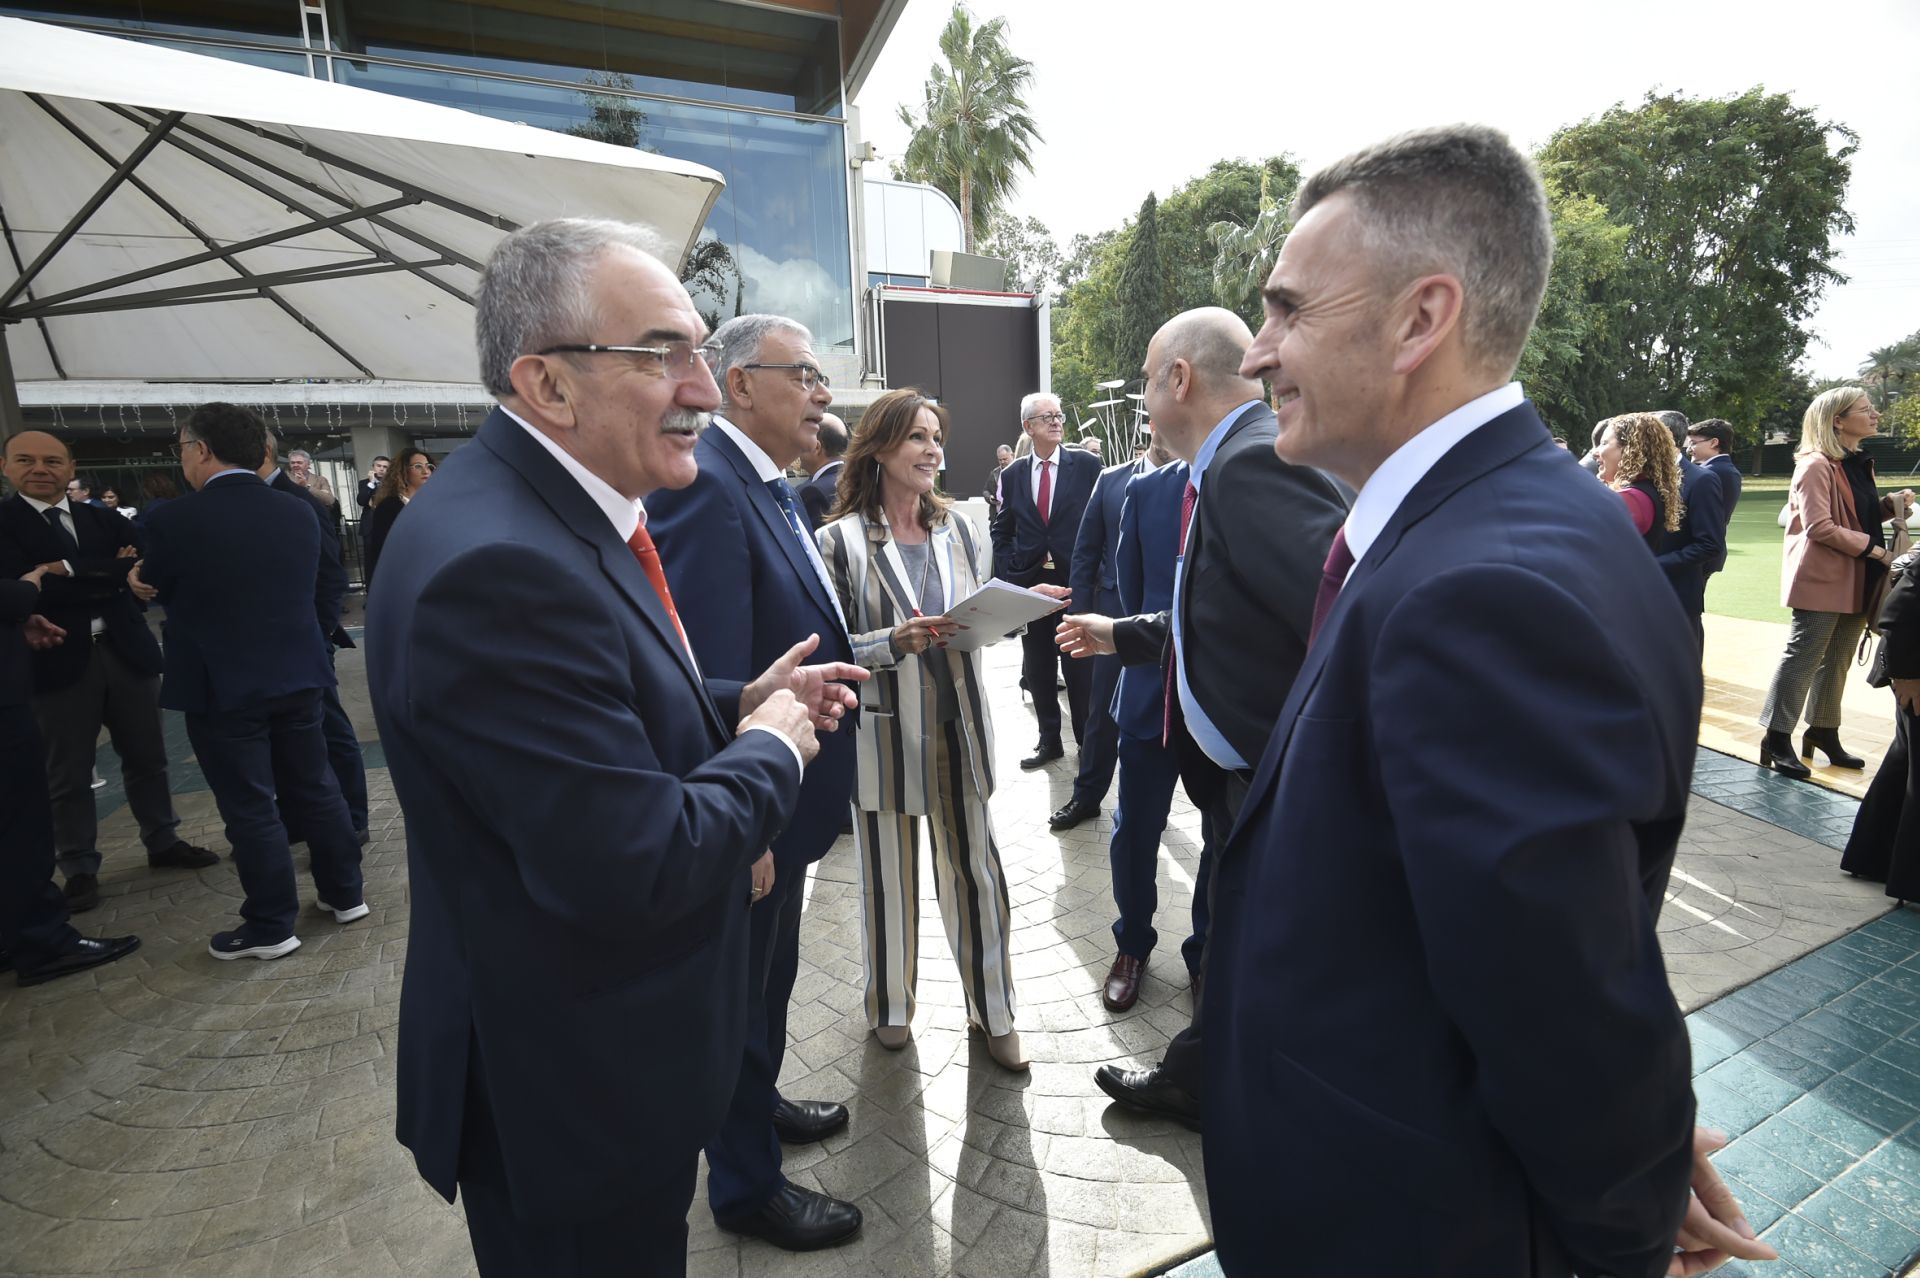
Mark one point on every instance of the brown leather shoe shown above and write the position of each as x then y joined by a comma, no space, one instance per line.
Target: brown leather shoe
1123,983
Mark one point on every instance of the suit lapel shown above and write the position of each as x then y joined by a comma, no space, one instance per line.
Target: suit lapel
761,498
570,503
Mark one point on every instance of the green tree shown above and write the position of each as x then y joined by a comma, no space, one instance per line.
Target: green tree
713,276
1889,371
1902,421
612,117
1587,249
1244,250
1142,291
1731,206
973,137
1032,257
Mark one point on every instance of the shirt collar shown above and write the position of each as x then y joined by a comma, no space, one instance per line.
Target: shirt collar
756,456
270,476
1215,438
42,507
1380,498
623,514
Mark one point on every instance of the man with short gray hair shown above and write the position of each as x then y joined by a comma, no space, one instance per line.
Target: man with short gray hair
583,804
1433,957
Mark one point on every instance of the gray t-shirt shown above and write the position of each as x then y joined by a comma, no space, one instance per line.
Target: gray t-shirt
923,578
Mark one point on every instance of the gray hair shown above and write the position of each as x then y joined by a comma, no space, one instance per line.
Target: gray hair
740,339
1460,199
1676,421
1027,402
537,289
301,452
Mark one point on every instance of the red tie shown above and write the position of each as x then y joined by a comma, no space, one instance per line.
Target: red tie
1187,500
1045,501
641,543
1332,578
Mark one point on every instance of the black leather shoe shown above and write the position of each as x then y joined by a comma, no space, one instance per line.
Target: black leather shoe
78,957
6,961
1072,813
1044,753
1776,752
797,1219
1827,740
803,1122
1148,1091
182,856
83,893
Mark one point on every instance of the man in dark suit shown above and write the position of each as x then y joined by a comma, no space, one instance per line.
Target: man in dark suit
233,564
750,585
1091,578
36,940
1002,458
1710,445
1699,548
583,808
1044,496
1256,532
823,462
329,588
1433,961
107,673
376,475
1151,763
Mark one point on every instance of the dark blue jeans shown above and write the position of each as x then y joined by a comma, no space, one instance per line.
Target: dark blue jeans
1102,736
33,912
743,1158
242,753
1148,772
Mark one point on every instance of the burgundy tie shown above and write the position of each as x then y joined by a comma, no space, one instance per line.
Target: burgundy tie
1187,500
1332,577
1045,501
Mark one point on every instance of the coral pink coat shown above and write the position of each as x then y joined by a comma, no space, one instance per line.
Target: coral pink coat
1822,570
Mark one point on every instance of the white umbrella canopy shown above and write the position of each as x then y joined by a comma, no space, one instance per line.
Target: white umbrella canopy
173,217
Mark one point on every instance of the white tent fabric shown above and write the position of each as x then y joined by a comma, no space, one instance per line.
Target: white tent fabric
235,166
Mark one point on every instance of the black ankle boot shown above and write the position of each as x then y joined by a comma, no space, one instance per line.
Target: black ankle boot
1828,741
1776,752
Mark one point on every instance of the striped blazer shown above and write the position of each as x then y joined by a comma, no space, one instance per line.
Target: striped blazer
895,768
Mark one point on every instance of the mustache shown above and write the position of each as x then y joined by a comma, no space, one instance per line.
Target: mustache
685,421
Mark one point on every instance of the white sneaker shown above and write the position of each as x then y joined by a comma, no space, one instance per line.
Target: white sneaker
351,914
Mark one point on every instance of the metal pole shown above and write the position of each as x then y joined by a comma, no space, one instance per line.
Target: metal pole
11,418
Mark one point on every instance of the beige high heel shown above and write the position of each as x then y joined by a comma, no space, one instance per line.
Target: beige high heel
893,1037
1006,1052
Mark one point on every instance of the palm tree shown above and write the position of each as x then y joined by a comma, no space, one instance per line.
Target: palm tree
973,136
1888,368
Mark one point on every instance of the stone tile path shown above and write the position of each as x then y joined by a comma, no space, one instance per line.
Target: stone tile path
171,1114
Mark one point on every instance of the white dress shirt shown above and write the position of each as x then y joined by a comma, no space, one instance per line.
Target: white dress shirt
768,472
66,520
1387,488
1037,469
626,514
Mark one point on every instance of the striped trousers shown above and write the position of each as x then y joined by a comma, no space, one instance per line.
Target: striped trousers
1820,649
967,879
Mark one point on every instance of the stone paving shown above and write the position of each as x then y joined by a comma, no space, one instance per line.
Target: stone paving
171,1114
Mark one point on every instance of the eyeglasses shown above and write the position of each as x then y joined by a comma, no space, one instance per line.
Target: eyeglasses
179,447
1052,419
420,467
675,359
810,376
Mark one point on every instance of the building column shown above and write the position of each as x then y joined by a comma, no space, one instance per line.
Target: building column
378,440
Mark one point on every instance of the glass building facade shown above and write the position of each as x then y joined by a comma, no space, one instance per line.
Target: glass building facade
752,92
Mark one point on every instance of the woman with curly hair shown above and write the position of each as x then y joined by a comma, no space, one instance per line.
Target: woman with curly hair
1836,556
1638,461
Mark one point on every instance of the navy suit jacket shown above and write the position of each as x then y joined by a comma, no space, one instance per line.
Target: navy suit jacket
1149,547
580,822
1092,574
1021,542
234,564
746,593
1728,472
330,583
1699,548
1433,956
818,493
98,587
18,600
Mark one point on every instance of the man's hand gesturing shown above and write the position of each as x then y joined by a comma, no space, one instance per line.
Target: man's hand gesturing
820,689
783,712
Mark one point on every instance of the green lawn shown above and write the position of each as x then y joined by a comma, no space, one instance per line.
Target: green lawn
1750,585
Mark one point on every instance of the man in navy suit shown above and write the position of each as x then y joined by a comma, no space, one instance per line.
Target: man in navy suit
1433,977
1091,578
1710,445
234,564
1699,548
1044,496
107,674
750,584
823,460
583,807
329,589
36,939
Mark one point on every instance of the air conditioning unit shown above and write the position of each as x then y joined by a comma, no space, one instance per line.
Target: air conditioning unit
969,270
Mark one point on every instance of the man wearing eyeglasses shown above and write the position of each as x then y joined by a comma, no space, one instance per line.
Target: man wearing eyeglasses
750,584
1044,497
585,801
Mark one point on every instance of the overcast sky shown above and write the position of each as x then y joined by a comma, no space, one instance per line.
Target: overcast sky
1132,96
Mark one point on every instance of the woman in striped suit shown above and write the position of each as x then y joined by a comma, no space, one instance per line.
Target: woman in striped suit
898,561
